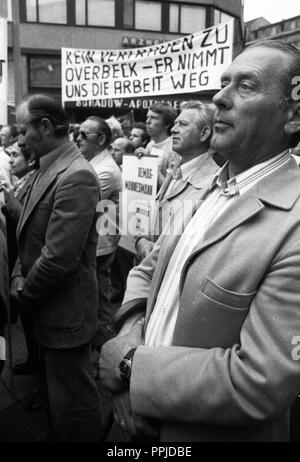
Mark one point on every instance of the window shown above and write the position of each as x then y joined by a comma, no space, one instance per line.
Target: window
48,11
147,15
220,17
9,10
128,14
44,72
291,25
101,12
31,10
80,7
174,18
95,13
186,19
193,19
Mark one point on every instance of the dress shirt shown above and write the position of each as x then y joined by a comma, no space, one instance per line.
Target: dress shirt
223,193
21,182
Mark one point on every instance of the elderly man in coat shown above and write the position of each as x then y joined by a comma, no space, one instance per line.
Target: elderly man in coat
217,357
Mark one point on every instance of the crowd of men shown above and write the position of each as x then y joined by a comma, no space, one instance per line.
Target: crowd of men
203,345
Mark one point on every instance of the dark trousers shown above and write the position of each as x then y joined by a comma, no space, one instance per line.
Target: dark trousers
122,264
105,309
70,393
28,320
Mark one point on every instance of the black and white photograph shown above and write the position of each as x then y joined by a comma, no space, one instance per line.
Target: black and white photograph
149,224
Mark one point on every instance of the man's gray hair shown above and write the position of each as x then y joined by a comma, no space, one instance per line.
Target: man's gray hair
206,114
286,73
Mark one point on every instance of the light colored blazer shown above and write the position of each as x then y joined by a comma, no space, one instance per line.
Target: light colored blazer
169,202
110,180
230,374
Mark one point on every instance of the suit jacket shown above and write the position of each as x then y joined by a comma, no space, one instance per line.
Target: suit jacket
232,371
109,176
57,241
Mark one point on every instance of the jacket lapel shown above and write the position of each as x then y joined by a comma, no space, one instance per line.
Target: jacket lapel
168,245
280,190
239,213
44,182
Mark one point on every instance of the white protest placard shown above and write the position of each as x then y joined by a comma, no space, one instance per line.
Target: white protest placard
186,65
3,71
139,181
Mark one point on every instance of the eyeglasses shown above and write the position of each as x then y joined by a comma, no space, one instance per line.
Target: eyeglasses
84,135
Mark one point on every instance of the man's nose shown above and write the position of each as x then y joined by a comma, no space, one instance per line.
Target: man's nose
21,142
174,128
223,98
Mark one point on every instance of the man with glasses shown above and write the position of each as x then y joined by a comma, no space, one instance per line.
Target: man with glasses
94,139
55,275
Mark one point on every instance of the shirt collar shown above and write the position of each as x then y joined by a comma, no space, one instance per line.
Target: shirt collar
162,144
189,168
52,156
100,156
21,182
232,186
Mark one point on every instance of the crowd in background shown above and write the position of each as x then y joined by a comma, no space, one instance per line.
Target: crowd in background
27,178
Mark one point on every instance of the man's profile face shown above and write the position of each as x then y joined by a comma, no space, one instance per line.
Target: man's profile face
155,124
30,137
249,122
136,136
118,150
88,138
186,133
5,137
18,164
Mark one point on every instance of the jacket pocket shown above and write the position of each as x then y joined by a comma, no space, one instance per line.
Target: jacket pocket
211,316
40,219
234,300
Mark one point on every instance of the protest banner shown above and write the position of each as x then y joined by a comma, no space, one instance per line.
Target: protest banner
186,65
3,71
139,178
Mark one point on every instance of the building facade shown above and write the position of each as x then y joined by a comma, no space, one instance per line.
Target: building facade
46,26
287,30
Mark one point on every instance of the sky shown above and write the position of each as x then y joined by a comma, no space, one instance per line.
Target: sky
272,10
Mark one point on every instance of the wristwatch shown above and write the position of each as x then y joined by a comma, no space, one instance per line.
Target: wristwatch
126,365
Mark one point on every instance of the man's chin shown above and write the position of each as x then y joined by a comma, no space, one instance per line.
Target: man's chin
218,143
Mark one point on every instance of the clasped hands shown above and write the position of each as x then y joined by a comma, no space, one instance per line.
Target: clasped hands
112,354
16,287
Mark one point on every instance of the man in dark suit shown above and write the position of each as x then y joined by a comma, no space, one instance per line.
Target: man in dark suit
56,273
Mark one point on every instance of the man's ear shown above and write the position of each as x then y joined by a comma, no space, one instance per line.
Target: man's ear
205,133
101,140
292,125
46,126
